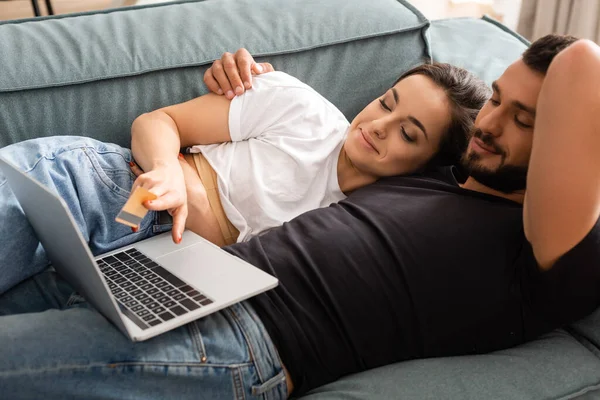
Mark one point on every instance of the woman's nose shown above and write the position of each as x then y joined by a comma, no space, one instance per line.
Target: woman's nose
379,128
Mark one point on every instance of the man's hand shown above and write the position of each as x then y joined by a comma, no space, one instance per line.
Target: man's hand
232,74
168,183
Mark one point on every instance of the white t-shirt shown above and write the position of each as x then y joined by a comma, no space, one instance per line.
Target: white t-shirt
282,161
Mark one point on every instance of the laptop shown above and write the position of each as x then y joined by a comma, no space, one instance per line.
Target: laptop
146,288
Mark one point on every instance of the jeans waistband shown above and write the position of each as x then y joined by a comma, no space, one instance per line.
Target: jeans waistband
163,222
163,218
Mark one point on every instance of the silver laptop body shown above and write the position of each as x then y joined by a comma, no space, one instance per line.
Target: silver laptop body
165,285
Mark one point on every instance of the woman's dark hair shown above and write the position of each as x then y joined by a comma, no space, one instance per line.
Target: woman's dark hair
466,94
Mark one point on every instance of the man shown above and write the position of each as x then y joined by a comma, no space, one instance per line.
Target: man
406,268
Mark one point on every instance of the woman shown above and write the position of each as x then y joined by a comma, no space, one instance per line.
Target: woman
281,149
266,177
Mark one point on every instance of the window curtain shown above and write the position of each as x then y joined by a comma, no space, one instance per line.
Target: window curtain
579,18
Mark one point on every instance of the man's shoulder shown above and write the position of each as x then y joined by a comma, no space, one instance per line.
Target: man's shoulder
442,178
587,251
565,293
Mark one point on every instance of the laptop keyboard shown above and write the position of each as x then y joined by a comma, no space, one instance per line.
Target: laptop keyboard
146,292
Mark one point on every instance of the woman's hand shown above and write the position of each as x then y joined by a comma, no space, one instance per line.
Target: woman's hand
200,220
167,182
232,74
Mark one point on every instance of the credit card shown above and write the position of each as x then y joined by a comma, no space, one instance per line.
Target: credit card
133,212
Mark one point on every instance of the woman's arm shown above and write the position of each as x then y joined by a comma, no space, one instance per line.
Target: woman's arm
156,138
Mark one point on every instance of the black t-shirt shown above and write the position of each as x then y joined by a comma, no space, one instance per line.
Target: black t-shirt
411,267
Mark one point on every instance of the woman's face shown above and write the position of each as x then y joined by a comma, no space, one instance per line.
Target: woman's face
399,132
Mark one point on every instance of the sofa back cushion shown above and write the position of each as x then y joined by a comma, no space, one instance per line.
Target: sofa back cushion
483,46
93,73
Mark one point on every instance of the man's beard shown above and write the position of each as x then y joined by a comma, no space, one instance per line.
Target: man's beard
505,178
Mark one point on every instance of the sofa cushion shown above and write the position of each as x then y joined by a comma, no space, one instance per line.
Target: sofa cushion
554,367
588,331
483,46
92,74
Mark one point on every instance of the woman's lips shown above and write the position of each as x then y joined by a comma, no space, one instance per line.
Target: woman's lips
367,140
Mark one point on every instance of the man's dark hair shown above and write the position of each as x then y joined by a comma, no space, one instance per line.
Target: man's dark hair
541,52
466,94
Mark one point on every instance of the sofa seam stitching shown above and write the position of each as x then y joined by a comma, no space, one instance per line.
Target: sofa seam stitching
587,389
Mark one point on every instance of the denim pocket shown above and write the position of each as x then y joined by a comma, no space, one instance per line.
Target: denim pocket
107,186
112,168
220,339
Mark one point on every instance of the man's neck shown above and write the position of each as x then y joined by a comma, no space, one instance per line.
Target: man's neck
472,184
349,177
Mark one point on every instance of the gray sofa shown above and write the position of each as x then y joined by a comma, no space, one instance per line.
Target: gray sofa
93,73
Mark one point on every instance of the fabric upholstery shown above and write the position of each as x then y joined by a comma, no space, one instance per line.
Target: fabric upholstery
554,367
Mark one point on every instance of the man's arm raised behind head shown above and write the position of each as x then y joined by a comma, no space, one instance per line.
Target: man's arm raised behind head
562,202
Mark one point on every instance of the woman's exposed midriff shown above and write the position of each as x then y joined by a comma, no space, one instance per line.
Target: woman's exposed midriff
209,179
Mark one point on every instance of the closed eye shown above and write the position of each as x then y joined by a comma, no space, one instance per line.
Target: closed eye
521,124
384,106
405,135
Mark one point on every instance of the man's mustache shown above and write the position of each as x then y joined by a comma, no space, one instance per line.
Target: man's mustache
488,140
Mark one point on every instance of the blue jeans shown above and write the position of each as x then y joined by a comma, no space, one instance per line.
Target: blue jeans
54,345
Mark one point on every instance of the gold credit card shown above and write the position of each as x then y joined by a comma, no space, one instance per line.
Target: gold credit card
133,212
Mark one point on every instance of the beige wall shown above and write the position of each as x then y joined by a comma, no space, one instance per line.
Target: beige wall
22,8
436,9
433,9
